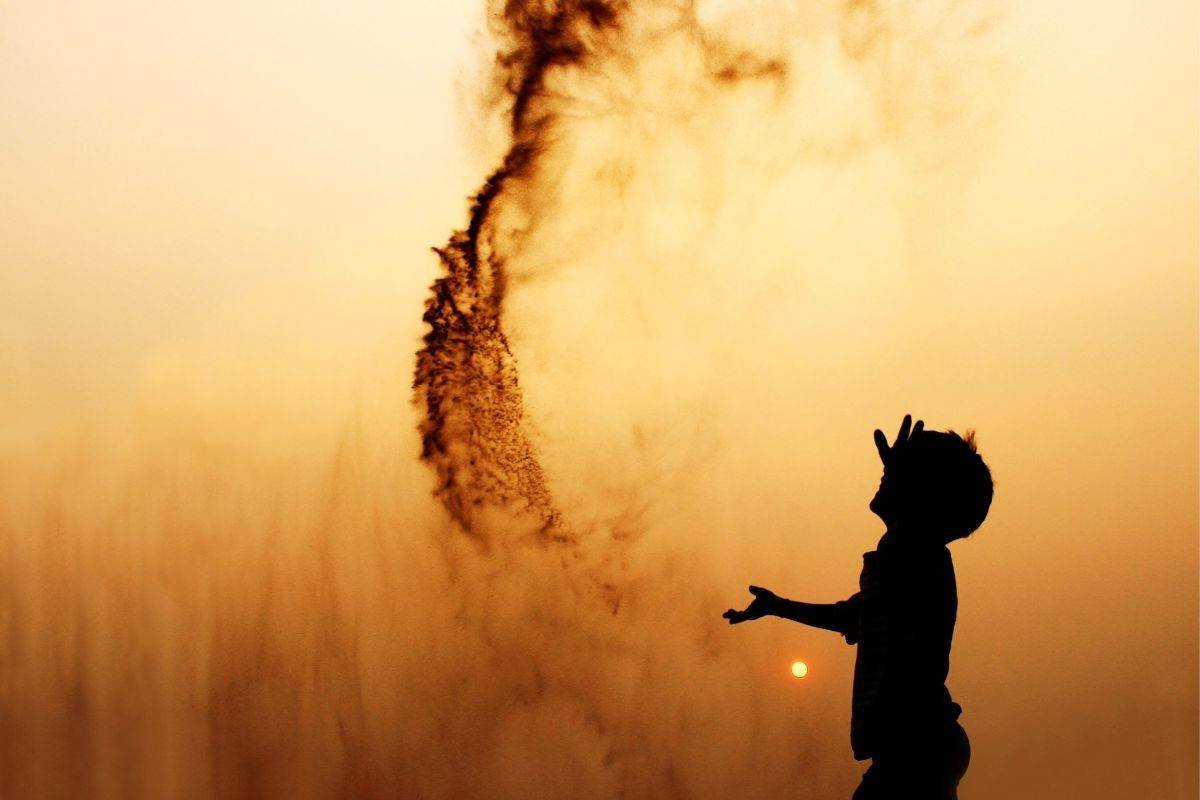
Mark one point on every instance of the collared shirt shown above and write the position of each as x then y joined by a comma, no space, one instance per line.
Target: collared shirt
902,619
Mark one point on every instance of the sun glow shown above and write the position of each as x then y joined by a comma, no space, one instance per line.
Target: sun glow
799,669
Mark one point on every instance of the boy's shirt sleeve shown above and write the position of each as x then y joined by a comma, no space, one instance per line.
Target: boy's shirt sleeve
848,617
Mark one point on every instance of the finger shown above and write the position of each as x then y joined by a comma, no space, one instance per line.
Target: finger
920,426
734,617
902,436
881,444
758,591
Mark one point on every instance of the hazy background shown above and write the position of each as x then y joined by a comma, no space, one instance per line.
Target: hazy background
219,571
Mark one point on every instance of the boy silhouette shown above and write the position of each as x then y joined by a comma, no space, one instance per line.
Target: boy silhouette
935,489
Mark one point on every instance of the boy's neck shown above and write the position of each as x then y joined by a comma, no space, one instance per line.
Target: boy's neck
901,536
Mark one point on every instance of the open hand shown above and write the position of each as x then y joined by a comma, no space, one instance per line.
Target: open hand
886,454
765,602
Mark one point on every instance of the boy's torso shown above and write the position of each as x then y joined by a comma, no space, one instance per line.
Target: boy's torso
906,606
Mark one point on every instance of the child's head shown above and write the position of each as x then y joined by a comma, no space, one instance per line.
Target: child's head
933,482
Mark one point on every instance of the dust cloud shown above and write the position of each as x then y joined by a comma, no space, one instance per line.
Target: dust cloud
722,241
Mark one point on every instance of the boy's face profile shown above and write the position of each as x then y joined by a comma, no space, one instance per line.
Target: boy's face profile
892,500
880,502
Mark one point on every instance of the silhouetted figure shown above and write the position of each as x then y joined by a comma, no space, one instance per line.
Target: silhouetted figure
935,489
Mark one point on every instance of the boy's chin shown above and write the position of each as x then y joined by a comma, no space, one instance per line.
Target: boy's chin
885,515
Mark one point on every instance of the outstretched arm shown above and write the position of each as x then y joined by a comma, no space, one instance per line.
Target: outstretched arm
837,617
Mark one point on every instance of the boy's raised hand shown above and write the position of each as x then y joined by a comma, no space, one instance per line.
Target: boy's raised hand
765,602
902,438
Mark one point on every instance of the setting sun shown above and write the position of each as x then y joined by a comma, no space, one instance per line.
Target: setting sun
799,669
